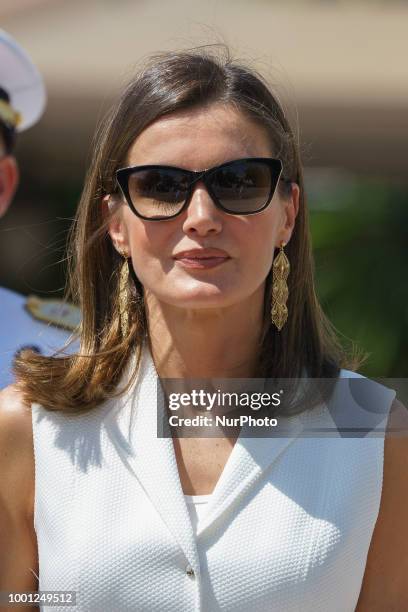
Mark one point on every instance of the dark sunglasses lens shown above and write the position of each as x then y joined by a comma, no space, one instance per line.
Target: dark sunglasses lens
158,193
243,187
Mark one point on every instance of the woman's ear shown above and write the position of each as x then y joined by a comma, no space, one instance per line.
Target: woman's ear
8,181
112,212
291,209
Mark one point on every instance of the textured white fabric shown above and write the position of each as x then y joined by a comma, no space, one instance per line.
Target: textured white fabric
196,506
287,527
18,330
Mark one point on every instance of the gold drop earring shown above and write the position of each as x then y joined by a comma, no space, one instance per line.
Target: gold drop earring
280,291
123,293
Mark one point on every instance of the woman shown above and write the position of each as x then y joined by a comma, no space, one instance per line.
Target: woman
195,185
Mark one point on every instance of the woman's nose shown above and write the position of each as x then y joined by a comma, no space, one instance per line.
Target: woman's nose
202,216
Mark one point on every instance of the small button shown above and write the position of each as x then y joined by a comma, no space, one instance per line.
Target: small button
190,571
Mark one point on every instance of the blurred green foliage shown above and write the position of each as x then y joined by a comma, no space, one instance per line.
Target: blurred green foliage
360,242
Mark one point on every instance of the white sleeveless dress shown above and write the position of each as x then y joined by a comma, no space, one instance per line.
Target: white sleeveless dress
286,529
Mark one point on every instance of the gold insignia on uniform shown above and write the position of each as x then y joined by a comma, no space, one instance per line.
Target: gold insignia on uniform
8,115
56,312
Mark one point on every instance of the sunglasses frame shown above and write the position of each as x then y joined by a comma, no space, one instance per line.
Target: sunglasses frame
122,178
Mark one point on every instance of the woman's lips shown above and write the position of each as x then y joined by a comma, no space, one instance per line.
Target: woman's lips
201,262
202,258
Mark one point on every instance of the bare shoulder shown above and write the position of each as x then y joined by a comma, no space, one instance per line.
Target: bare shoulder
18,543
16,454
385,585
13,407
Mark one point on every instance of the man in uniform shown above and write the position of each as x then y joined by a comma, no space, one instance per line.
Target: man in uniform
42,325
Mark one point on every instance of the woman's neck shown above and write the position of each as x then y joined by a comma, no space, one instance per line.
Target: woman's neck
206,343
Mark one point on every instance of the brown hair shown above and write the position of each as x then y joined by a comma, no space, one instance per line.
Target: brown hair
170,82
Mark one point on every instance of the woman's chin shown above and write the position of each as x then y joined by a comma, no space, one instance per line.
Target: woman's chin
200,298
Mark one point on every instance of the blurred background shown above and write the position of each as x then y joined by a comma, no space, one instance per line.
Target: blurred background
340,69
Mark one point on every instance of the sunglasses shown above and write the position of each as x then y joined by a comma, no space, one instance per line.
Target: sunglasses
240,187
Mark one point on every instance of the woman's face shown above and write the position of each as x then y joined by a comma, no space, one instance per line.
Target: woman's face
245,244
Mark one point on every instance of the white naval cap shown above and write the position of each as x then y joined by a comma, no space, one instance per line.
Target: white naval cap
23,83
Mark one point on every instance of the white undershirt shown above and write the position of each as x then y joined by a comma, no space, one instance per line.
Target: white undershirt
197,505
